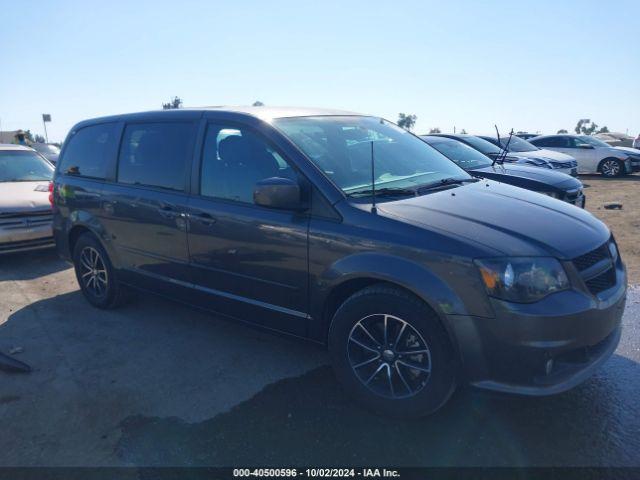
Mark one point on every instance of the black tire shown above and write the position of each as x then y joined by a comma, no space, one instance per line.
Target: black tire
100,287
611,167
409,392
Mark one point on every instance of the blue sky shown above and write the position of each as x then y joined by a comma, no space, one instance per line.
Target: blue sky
536,66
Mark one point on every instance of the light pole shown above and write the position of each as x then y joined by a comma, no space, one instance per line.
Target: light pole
46,117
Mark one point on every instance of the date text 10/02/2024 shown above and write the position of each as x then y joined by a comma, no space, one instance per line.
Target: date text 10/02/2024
316,472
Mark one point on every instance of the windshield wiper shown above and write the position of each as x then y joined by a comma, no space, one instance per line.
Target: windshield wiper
384,192
445,182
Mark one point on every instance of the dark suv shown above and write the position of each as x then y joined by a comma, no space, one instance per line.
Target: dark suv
348,231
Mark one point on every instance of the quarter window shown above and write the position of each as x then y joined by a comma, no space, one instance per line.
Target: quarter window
88,151
234,160
156,154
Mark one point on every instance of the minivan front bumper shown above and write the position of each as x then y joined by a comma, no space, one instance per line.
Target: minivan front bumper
526,350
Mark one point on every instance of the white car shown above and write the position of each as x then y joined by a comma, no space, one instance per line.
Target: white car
25,208
593,155
516,146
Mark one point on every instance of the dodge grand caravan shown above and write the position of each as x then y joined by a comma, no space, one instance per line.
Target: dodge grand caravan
348,231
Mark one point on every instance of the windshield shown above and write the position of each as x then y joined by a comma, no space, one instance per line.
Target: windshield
46,148
482,145
341,147
593,141
23,166
465,156
517,144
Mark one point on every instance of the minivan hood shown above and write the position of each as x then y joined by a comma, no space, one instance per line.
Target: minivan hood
24,196
548,177
512,220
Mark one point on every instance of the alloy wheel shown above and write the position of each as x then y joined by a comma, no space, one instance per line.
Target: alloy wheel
611,168
93,273
389,356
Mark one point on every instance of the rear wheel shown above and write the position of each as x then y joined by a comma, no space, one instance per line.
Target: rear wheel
611,167
391,353
95,273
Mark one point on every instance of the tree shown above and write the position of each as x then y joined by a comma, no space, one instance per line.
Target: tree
586,127
603,130
590,129
435,130
562,130
28,136
258,103
406,121
463,132
176,102
39,139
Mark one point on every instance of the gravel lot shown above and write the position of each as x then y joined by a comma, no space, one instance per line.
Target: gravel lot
624,223
157,383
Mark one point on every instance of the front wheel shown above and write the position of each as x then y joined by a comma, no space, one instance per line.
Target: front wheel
391,353
612,167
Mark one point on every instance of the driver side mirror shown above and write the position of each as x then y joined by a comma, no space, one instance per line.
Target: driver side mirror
280,193
585,146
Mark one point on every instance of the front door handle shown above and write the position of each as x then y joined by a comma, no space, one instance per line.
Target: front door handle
204,218
168,211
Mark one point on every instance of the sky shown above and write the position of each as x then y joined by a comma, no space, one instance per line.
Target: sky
533,66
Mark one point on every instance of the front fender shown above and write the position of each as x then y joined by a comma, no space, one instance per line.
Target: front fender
407,274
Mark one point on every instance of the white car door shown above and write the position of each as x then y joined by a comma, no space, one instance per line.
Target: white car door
566,144
588,158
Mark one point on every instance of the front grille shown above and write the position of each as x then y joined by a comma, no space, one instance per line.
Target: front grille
602,282
591,258
601,277
25,220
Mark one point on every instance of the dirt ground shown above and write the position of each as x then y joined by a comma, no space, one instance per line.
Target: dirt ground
625,223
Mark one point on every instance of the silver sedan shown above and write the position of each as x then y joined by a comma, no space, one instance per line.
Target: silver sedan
25,209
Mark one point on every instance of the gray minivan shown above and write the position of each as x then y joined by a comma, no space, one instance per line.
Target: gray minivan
348,231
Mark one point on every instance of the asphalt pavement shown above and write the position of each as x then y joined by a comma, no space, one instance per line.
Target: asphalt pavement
158,383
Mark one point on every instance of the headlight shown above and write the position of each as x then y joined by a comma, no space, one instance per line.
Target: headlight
539,164
522,279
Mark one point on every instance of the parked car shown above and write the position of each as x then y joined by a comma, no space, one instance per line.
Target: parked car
554,184
25,210
494,152
615,139
593,155
526,136
47,150
420,280
522,148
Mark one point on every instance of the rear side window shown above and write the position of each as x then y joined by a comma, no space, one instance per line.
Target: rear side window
156,154
88,151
